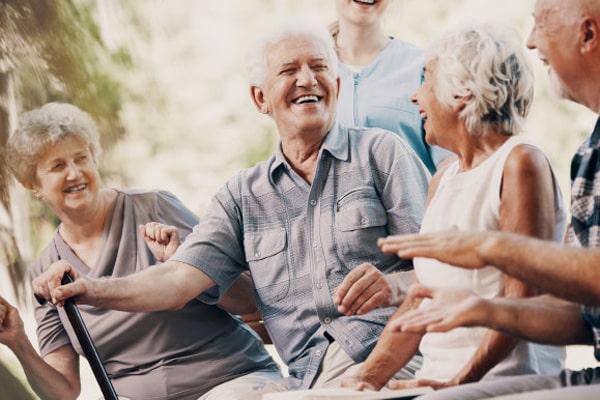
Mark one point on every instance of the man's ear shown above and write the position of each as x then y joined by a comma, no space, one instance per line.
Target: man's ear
259,99
339,84
590,34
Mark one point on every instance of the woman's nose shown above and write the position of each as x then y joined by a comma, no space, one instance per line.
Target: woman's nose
74,170
413,98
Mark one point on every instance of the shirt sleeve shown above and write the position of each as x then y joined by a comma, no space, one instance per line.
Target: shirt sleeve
216,246
51,333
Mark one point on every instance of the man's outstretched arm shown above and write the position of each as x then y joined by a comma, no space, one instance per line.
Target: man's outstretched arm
543,319
167,286
568,272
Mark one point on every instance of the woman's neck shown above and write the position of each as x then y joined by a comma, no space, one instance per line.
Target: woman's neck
74,230
479,149
360,45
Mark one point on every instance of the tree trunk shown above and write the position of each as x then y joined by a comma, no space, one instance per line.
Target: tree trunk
10,256
5,99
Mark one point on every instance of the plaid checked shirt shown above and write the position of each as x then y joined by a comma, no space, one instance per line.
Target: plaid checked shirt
585,212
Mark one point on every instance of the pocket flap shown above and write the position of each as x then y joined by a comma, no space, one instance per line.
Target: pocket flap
259,245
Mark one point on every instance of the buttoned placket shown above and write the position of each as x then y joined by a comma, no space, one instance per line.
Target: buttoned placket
320,287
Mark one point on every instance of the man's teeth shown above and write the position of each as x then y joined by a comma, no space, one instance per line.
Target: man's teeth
365,1
75,189
306,99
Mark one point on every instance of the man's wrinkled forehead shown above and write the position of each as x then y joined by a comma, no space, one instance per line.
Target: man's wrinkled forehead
555,13
545,8
556,8
290,48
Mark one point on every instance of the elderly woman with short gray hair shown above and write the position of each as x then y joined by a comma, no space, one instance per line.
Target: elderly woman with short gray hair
104,232
476,94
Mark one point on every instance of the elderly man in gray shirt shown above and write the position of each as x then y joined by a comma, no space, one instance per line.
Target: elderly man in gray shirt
300,221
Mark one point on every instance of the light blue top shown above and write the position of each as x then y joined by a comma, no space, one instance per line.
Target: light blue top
379,97
299,241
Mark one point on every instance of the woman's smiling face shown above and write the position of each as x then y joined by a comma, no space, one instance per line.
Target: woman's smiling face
67,177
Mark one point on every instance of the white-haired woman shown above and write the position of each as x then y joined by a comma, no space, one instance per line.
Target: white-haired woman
476,94
105,232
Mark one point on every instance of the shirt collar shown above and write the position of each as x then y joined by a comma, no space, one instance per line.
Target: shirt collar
336,143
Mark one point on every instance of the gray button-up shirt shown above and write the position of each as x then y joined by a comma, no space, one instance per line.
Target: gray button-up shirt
299,241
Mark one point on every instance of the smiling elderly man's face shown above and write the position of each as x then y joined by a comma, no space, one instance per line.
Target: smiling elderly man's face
300,90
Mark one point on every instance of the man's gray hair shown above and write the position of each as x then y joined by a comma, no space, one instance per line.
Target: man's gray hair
256,61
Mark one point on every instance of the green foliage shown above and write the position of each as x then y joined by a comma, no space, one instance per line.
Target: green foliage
52,51
64,60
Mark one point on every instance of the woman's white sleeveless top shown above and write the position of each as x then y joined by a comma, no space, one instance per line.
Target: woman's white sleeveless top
470,200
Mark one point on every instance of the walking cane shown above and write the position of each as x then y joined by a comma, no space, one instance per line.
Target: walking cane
85,340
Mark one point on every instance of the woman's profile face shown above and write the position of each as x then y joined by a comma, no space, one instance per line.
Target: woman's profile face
67,177
439,121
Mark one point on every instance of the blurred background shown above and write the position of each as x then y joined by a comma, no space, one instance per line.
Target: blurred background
165,81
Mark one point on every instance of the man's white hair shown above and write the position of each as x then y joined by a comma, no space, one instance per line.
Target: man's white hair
256,61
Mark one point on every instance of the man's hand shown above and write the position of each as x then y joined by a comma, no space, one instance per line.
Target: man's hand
449,308
162,240
366,288
353,380
451,247
47,286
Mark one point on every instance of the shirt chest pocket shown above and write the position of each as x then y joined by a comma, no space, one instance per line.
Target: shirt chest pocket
266,255
360,219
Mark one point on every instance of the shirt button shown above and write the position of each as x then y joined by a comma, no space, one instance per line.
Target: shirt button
257,254
318,352
313,202
364,221
314,245
319,286
327,320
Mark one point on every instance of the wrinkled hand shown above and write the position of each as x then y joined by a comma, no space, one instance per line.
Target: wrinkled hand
451,247
162,240
364,289
11,325
449,308
47,286
395,384
352,380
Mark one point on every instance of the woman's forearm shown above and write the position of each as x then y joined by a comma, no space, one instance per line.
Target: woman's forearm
494,348
48,382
